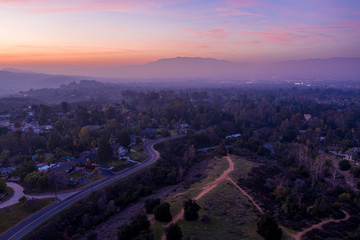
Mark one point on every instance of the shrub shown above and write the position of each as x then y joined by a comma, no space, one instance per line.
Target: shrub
268,228
344,197
344,165
173,232
137,229
191,209
150,204
162,212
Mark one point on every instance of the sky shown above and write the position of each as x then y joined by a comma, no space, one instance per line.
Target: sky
73,36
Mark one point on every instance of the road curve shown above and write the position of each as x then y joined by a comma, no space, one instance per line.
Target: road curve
28,224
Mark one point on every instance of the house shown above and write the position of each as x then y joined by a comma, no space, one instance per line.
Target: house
307,117
233,136
5,171
93,127
352,154
87,157
64,166
149,131
5,123
184,125
122,151
118,150
47,128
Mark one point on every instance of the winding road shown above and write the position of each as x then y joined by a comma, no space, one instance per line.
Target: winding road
28,224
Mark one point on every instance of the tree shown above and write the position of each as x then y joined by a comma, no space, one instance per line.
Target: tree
4,157
22,201
26,167
105,151
162,212
221,150
53,141
191,209
124,139
35,180
173,232
2,185
84,136
137,229
344,165
82,116
268,228
110,112
64,107
150,204
344,197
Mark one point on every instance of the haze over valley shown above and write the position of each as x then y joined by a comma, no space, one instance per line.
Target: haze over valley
179,120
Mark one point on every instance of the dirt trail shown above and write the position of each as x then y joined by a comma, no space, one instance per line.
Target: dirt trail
246,195
206,189
299,235
225,177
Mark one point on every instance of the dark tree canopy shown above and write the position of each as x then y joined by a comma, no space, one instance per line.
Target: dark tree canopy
268,228
344,165
173,232
137,229
105,151
162,212
191,209
150,204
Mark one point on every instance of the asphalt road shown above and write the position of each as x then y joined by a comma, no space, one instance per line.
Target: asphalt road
28,224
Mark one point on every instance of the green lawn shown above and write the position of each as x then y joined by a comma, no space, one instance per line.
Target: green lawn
11,215
138,156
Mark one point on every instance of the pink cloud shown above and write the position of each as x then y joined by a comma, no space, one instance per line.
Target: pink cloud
280,36
225,12
212,33
241,3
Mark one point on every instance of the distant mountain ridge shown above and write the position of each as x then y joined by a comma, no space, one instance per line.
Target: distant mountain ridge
19,80
195,68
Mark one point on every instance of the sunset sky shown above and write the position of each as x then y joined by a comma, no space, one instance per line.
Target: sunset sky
71,36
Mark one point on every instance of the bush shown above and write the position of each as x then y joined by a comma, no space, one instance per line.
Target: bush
344,165
355,170
137,229
268,228
150,204
191,209
2,185
162,212
344,197
173,232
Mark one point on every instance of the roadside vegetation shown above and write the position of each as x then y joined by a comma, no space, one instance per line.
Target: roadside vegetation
11,215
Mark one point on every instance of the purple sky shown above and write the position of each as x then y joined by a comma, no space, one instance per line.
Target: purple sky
73,36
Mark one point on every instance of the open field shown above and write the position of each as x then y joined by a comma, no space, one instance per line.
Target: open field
225,211
138,156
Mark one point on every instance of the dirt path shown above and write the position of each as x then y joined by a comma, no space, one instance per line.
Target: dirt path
299,235
206,189
225,177
246,195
